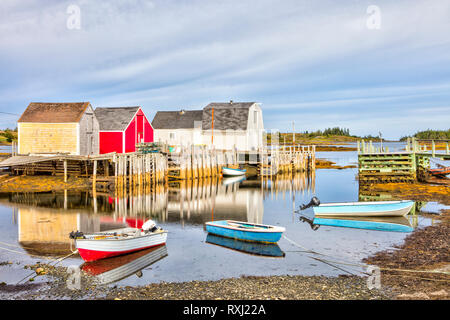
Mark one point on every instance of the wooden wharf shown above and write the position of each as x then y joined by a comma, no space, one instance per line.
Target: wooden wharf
381,165
153,164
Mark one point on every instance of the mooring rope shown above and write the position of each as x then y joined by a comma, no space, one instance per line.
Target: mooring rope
56,261
364,264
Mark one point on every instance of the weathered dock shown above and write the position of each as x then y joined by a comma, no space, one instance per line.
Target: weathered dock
380,165
287,159
107,171
152,164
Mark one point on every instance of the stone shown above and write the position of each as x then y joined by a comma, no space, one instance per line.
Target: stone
440,293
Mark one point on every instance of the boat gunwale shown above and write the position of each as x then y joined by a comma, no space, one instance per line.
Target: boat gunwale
404,211
121,238
364,203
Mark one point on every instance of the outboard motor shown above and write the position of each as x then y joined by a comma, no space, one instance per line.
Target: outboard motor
149,226
313,203
76,235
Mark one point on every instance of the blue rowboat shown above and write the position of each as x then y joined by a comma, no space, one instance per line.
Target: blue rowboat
365,209
245,231
392,224
233,172
253,248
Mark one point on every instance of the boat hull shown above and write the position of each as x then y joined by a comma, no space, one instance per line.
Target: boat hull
232,172
223,229
365,209
92,250
440,171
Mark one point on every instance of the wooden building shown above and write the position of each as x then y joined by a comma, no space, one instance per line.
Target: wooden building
226,126
182,127
121,128
48,128
233,125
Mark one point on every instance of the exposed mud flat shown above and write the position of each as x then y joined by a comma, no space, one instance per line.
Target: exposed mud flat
334,148
42,184
415,191
327,164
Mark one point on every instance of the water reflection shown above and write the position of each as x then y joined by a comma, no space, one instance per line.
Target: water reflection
121,267
391,224
45,219
368,195
259,249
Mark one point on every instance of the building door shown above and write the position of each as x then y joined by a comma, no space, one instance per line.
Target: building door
140,128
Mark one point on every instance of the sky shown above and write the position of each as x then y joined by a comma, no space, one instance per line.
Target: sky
370,66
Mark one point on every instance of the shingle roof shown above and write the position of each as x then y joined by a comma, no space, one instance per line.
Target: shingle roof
177,119
227,116
115,118
54,112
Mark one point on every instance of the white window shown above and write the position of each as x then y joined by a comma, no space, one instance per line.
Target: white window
255,117
172,135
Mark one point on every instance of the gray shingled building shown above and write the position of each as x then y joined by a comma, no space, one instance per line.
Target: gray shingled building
225,125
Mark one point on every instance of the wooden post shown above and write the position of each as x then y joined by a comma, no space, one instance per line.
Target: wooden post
65,171
433,148
94,175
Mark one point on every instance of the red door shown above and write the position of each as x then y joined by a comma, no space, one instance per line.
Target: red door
140,128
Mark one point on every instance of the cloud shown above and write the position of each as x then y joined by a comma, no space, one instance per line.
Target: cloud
314,57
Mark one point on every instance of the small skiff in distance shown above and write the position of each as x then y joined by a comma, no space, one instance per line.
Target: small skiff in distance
233,172
365,209
440,171
245,231
101,245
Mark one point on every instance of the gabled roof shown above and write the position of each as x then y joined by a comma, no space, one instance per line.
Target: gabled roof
227,115
115,119
54,112
184,119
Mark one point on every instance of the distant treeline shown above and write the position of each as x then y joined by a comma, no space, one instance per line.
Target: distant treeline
431,134
336,131
8,135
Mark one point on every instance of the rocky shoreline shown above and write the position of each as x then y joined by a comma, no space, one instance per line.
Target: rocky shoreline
244,288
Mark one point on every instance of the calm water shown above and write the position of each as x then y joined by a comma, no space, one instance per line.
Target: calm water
34,227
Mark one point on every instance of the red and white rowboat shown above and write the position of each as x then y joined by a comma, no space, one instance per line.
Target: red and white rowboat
113,243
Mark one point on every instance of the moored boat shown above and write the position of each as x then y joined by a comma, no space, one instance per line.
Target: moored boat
365,209
443,171
245,231
113,243
233,172
398,208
